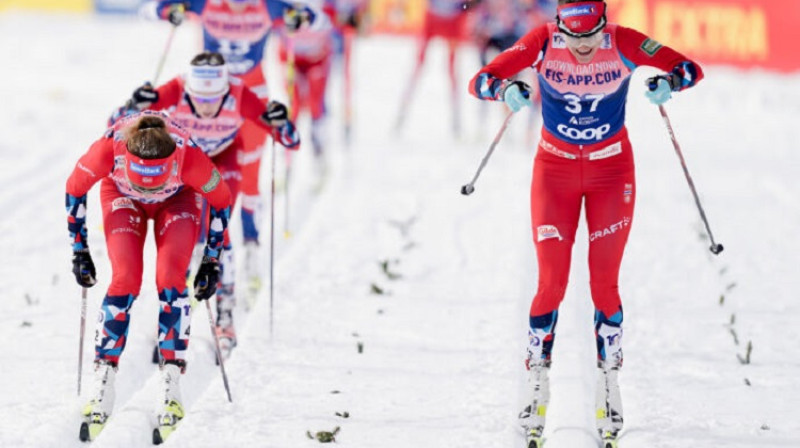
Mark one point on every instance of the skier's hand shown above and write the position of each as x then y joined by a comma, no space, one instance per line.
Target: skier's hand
276,115
517,95
659,89
205,282
294,18
83,268
176,13
144,96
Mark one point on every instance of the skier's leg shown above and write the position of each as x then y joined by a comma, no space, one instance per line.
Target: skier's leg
253,140
555,209
176,223
455,94
226,293
125,228
609,214
405,101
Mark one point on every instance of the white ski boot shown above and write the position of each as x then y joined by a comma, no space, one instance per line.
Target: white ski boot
609,405
169,410
98,409
608,397
532,417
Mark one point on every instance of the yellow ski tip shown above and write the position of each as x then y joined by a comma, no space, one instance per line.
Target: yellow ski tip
287,234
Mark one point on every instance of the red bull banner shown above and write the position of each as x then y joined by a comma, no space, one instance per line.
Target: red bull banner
742,33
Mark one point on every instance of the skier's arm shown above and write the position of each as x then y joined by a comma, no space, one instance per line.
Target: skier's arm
200,174
489,82
281,128
637,48
91,167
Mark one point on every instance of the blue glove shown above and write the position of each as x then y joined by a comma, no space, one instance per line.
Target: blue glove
659,90
517,95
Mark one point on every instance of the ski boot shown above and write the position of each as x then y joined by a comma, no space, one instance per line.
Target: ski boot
532,417
169,411
609,404
252,272
98,409
225,331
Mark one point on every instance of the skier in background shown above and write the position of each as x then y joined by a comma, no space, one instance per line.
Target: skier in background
584,68
306,55
350,19
445,19
214,108
150,169
238,29
498,24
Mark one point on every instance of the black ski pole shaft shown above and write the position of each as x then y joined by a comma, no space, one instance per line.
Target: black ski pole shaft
80,344
272,243
715,248
218,351
470,187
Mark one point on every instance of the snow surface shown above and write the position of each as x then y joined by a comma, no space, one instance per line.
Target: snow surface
441,363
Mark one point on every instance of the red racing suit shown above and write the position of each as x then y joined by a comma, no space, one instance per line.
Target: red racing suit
221,136
176,215
584,156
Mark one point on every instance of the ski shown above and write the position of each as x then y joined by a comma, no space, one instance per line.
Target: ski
167,422
534,438
609,439
91,427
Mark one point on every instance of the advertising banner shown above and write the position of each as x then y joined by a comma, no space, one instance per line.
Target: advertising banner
742,33
118,6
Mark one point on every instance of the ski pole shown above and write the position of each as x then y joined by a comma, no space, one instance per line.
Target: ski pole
272,242
219,352
164,54
291,73
467,189
80,344
715,248
129,104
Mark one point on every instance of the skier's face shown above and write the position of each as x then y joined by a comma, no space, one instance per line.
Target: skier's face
584,48
206,107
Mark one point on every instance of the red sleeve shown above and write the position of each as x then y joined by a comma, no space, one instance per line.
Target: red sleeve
253,107
169,94
96,164
641,50
200,173
524,53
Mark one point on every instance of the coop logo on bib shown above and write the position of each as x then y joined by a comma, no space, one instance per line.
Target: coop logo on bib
547,232
584,134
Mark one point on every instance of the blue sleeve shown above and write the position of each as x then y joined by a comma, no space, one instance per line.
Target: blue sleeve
218,222
76,221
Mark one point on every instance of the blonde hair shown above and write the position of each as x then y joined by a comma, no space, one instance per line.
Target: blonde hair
147,138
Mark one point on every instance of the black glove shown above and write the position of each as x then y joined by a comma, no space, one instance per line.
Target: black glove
673,79
176,14
83,268
144,96
205,282
276,115
294,18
